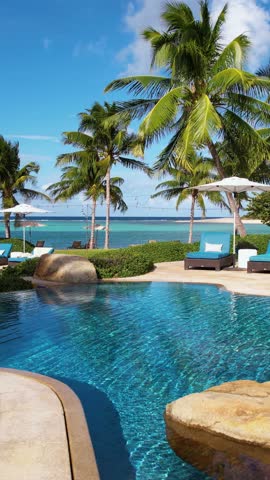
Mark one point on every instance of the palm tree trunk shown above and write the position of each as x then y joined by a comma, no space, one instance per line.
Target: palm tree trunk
191,218
7,225
108,206
233,204
93,221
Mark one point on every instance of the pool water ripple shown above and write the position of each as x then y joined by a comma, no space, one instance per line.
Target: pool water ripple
129,349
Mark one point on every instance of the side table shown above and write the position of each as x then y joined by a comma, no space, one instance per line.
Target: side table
244,256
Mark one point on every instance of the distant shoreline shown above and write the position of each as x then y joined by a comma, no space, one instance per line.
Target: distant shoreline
221,220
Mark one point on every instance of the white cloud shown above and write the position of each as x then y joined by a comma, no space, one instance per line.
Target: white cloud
245,16
46,42
33,137
253,19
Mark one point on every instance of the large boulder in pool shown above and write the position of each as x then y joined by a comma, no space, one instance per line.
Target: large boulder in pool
65,269
224,431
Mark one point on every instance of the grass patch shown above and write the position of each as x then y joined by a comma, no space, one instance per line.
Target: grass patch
17,244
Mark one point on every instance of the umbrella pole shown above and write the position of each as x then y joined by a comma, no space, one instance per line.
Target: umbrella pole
23,239
234,232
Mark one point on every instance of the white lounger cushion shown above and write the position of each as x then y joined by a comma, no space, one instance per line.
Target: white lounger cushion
38,251
213,247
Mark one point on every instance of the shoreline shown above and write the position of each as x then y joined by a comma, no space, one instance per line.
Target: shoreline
222,220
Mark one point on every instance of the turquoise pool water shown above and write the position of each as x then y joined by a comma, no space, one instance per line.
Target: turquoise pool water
127,350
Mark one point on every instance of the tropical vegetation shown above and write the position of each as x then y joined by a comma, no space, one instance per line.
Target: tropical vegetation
182,183
259,207
86,176
205,94
102,145
14,179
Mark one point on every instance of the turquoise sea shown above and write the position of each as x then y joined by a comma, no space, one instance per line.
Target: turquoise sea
59,232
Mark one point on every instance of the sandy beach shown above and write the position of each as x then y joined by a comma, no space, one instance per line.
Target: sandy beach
221,220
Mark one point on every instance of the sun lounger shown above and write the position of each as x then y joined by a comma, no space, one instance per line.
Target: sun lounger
40,243
260,263
5,249
77,244
214,252
18,257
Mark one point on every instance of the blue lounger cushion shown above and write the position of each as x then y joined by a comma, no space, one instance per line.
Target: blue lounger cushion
260,258
209,255
265,257
7,249
215,238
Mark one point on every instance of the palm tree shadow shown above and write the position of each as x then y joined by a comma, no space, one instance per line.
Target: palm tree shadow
106,433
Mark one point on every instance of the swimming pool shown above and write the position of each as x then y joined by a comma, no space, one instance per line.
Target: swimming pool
129,349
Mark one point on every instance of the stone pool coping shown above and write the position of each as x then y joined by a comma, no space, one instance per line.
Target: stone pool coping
80,450
233,280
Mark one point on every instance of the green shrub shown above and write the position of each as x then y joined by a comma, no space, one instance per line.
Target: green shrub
259,241
121,264
244,244
17,244
165,251
11,283
25,268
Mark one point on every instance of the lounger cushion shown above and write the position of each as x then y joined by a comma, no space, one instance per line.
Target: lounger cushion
7,249
213,247
260,258
207,255
36,253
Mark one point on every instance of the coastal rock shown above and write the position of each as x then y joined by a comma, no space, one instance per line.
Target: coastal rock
224,431
65,269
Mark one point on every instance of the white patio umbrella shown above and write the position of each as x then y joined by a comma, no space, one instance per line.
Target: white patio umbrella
23,209
233,185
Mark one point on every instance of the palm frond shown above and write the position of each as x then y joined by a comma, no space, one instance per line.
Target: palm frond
148,85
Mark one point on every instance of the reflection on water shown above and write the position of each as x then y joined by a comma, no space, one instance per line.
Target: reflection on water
67,295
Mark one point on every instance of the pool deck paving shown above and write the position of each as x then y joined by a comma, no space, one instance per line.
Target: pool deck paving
233,280
36,438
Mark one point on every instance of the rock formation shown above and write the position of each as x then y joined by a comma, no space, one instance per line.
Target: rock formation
224,431
65,269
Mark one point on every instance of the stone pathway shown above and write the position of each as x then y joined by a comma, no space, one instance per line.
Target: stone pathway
237,281
33,439
41,436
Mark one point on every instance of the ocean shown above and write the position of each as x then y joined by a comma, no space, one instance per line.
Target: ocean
60,232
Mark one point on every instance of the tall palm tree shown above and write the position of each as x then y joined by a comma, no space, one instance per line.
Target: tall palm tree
88,178
113,142
181,184
14,179
206,94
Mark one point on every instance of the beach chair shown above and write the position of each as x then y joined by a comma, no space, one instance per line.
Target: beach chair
5,249
40,243
214,252
18,257
77,244
259,263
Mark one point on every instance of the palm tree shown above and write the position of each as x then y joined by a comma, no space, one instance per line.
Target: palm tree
181,185
14,179
88,177
112,140
206,93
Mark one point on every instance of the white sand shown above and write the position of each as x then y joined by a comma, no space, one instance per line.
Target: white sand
221,220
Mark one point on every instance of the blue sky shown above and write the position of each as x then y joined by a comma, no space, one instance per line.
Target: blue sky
57,56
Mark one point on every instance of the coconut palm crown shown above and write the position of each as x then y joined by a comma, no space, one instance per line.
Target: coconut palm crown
205,93
181,183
